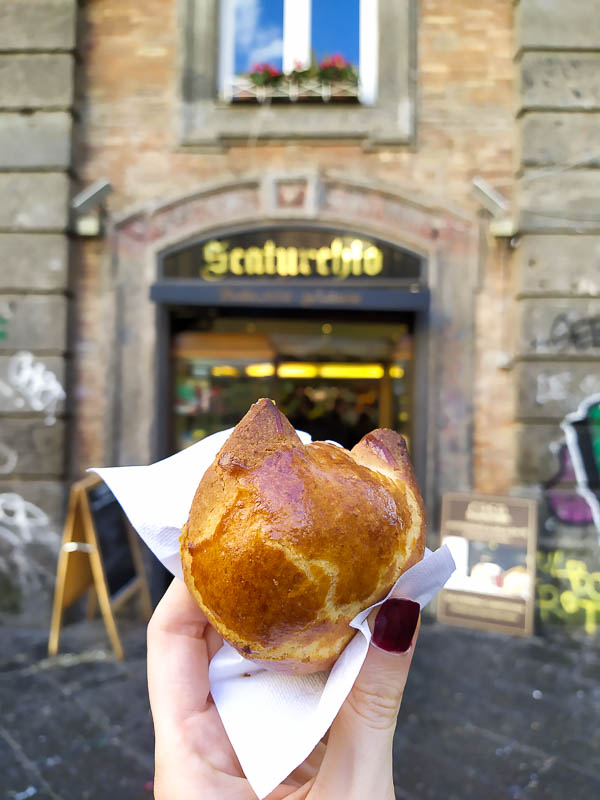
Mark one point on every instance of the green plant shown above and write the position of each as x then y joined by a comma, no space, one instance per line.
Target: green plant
301,72
335,68
265,75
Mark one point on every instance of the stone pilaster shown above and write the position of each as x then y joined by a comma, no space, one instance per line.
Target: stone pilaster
558,281
37,43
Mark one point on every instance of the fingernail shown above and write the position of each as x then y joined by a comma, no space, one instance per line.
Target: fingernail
395,624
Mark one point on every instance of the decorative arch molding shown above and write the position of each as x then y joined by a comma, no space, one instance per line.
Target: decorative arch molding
445,237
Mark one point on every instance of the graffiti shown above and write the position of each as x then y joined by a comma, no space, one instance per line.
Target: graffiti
567,592
6,310
20,514
567,331
30,382
552,388
8,459
28,539
573,494
582,432
582,334
557,387
24,526
564,503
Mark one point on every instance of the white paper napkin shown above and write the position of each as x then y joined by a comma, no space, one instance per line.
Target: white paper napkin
273,720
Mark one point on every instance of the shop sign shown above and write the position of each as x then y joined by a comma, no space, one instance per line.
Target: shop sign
301,254
493,543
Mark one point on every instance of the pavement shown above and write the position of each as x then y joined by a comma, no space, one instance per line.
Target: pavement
484,716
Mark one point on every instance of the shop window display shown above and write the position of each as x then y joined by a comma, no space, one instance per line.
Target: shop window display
215,383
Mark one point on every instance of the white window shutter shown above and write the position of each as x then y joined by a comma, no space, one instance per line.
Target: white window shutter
226,47
296,33
368,52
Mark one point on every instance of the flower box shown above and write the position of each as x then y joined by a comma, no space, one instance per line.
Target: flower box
333,79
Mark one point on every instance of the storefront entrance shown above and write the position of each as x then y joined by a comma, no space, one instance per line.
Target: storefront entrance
329,323
274,261
335,375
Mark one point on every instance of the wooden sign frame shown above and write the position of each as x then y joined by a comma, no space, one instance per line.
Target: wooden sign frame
495,522
80,568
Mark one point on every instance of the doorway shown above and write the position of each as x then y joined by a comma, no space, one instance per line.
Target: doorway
336,376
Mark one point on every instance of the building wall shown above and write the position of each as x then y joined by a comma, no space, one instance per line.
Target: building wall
505,91
557,271
37,41
130,120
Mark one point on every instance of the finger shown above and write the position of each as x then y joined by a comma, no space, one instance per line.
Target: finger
358,761
377,693
287,792
309,767
178,658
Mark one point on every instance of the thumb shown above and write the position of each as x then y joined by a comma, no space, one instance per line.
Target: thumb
363,730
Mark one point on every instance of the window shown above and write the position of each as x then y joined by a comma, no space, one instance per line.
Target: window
270,40
222,41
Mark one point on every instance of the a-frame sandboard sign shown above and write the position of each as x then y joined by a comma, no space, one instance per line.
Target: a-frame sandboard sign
99,554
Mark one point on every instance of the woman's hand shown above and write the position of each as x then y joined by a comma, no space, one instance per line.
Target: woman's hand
194,758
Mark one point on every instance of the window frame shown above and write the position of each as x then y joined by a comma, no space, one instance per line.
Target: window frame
208,121
297,45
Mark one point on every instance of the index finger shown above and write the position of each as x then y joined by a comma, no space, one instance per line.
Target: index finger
178,656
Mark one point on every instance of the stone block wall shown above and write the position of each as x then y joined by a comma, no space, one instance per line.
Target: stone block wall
37,43
131,131
558,286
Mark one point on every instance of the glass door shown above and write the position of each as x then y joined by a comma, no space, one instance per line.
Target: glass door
336,380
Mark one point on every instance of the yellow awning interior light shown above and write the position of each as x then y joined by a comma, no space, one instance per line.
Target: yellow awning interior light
297,369
224,371
294,369
340,371
330,371
265,370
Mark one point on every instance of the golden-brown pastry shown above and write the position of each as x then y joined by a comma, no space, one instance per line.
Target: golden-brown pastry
286,543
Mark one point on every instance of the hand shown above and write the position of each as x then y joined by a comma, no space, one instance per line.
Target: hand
194,758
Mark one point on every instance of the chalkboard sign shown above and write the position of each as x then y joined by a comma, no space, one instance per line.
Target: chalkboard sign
100,555
113,534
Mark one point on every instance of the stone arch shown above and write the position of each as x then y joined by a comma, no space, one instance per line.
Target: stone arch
447,238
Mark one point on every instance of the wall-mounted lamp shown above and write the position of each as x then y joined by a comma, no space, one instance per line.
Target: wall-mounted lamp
501,226
88,208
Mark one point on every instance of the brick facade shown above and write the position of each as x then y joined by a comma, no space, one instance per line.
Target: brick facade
502,91
465,111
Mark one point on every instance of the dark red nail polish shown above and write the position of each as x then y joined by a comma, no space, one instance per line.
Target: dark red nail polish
395,624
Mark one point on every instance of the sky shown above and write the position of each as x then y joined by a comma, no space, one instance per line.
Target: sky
259,31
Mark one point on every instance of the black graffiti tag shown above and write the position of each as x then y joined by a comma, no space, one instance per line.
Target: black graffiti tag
582,334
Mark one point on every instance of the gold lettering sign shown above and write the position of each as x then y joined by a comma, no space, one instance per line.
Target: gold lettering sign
340,260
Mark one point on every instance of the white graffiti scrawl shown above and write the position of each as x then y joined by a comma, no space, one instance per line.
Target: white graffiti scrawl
30,383
24,525
552,388
8,459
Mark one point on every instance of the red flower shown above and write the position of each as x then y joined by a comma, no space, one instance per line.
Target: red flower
264,74
337,60
269,69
